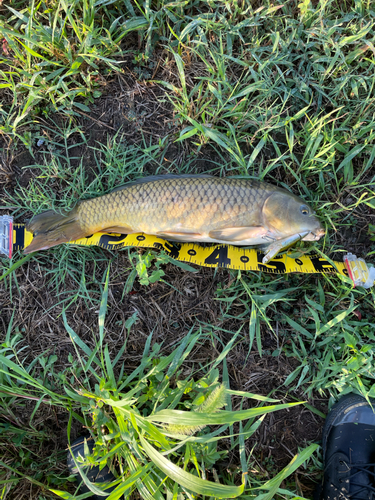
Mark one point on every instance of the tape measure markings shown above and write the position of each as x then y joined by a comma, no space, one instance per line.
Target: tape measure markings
220,255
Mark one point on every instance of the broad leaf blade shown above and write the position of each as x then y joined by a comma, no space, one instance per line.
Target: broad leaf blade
187,480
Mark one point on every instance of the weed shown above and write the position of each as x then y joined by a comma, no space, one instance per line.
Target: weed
150,426
283,93
339,354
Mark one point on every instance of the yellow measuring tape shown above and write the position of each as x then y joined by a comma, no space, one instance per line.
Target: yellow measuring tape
228,256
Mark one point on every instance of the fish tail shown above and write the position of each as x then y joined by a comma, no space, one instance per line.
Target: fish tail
50,229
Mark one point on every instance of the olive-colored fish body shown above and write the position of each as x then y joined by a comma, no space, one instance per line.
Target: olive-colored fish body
196,205
185,208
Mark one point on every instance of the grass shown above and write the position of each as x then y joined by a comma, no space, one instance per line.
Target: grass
128,415
282,91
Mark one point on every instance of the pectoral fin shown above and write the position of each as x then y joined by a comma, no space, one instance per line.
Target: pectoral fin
277,246
180,235
118,229
233,234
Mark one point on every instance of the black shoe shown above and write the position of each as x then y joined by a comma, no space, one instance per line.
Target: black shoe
95,475
349,450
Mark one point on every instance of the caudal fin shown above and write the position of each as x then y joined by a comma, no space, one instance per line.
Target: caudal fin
51,229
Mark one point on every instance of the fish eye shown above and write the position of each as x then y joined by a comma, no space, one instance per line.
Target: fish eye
304,210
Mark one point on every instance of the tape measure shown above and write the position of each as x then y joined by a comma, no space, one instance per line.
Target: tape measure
220,255
15,237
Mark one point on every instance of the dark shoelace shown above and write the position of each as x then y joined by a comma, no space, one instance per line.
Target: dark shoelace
356,469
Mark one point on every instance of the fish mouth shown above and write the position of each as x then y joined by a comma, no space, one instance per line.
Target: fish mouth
315,235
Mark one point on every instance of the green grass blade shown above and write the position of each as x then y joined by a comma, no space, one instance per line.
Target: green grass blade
226,349
130,481
274,483
103,308
250,395
76,340
17,264
187,480
219,418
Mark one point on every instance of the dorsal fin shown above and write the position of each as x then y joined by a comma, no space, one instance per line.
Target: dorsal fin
153,178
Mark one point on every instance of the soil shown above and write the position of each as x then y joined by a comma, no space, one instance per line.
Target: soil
169,308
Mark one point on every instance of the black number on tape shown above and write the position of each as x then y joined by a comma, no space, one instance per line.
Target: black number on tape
273,266
322,265
173,250
111,242
219,257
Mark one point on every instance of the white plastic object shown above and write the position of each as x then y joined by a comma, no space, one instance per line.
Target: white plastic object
358,271
6,235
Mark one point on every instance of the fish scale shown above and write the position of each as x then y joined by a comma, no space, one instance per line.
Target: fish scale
190,203
187,208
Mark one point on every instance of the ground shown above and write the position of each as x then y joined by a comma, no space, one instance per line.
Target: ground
311,338
169,309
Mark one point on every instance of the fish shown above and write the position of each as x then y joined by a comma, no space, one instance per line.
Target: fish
188,208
